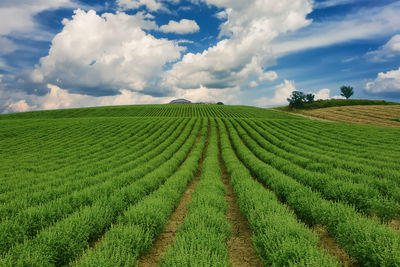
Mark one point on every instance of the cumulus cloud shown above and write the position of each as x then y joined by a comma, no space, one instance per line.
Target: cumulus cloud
100,55
386,82
20,106
58,98
244,51
203,94
253,84
184,26
388,51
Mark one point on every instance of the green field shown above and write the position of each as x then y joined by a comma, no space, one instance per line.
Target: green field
97,186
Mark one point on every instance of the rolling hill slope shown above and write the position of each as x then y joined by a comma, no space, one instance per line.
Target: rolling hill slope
196,185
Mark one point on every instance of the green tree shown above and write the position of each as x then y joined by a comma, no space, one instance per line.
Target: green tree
310,98
347,91
296,99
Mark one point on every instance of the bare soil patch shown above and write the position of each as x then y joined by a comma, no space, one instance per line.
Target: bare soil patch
240,248
395,224
333,248
167,237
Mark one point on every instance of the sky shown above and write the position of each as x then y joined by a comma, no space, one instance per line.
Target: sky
80,53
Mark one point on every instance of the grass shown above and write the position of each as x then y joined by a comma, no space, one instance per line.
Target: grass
96,186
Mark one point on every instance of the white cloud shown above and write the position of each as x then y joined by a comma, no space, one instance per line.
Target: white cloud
100,55
203,94
20,106
388,82
390,50
285,89
365,23
250,26
17,16
282,92
6,46
332,3
58,98
323,94
184,26
253,84
152,5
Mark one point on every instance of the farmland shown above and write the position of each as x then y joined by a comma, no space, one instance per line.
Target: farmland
374,115
196,185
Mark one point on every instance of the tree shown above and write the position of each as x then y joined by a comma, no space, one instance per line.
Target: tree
296,99
310,98
220,103
347,91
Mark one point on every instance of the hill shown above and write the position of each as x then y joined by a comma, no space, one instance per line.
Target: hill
372,112
196,185
338,103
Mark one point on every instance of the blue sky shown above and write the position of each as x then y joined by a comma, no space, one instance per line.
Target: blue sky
71,53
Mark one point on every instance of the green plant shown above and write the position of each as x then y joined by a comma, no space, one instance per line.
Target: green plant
346,91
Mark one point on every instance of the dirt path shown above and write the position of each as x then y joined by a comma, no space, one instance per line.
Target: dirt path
395,224
240,248
333,248
167,237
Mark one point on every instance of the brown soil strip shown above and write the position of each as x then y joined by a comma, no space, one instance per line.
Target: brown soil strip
333,248
166,238
240,248
395,224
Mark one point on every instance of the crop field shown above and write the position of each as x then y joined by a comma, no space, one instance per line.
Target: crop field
375,115
196,185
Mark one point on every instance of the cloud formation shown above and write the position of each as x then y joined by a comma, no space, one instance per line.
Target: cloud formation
100,55
184,26
57,98
244,51
365,23
386,52
386,82
17,17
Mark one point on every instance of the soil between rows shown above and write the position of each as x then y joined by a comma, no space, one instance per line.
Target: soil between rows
166,238
327,242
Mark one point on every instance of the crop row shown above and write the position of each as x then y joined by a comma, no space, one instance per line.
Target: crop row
129,159
60,157
135,230
279,238
84,131
100,161
364,239
28,222
201,240
64,241
324,134
190,110
310,159
385,167
366,199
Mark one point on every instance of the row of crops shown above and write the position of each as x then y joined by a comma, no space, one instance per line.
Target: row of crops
169,110
97,191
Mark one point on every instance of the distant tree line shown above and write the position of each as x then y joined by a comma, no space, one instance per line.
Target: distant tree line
297,99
